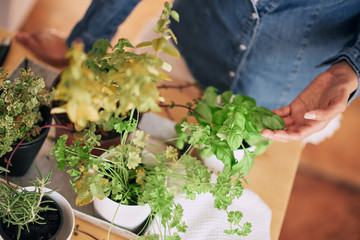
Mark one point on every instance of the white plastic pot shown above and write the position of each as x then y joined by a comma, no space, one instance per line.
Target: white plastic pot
217,165
68,213
129,217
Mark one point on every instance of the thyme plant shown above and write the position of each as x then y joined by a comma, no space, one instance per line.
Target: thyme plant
20,102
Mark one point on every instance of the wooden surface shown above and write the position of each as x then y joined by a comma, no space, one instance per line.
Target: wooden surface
85,230
272,176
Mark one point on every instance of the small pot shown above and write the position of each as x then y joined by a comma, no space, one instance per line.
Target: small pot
130,217
64,225
216,165
107,140
27,151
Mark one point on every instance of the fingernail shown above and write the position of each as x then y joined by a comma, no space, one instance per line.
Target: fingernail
310,115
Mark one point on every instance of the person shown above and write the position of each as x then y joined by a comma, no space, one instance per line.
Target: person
299,57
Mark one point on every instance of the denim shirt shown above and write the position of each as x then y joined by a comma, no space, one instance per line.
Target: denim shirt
270,51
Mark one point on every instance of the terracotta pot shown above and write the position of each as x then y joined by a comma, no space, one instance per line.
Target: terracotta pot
108,139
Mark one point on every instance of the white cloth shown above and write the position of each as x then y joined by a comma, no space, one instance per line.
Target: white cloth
208,223
327,132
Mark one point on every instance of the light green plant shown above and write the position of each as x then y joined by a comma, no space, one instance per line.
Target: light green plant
20,208
102,85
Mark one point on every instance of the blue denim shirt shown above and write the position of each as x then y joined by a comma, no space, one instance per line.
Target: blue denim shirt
270,51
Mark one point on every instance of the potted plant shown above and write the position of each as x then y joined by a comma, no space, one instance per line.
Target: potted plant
34,212
231,128
24,106
110,89
121,85
104,86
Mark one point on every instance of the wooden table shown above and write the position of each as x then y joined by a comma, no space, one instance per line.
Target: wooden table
272,176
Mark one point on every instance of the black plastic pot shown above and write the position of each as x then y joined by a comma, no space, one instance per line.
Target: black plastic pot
27,151
49,231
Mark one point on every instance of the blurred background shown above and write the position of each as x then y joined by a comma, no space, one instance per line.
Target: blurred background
325,200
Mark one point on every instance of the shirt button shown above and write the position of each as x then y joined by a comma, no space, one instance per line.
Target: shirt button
254,15
242,47
232,74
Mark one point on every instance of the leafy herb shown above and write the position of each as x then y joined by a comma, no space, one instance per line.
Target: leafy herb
127,173
228,121
20,208
20,102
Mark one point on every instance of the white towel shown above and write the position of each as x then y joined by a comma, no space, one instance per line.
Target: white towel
206,222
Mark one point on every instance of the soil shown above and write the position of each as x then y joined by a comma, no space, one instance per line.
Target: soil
52,220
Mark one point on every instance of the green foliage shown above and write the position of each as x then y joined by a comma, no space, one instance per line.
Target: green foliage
20,102
22,207
106,86
230,122
111,175
110,81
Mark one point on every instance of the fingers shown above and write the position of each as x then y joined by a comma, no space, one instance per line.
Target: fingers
295,132
327,114
278,136
27,39
47,44
283,112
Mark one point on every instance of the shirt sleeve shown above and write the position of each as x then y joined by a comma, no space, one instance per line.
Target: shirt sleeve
351,54
101,21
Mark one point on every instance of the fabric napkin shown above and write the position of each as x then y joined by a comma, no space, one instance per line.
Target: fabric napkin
206,222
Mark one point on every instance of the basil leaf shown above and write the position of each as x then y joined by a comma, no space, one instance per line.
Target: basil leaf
205,111
245,101
226,96
245,164
223,152
265,119
235,138
210,96
219,117
205,152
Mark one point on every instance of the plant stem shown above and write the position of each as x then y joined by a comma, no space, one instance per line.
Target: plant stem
189,108
22,140
181,87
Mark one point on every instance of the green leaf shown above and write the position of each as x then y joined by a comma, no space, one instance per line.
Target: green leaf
244,165
235,138
2,169
205,111
144,44
245,101
175,16
222,152
210,96
219,117
205,152
226,96
235,217
158,44
171,51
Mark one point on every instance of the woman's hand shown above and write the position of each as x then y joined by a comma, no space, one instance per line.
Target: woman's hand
325,98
